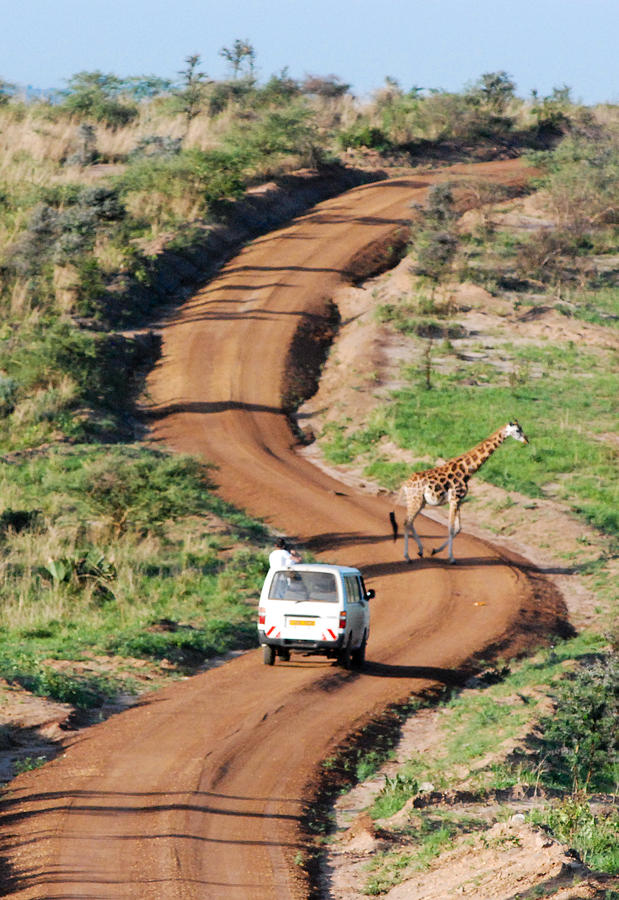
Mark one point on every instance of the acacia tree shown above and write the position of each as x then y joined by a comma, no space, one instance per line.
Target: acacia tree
192,91
494,90
99,95
324,86
240,52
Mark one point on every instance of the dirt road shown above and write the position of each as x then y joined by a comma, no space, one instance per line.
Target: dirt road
197,792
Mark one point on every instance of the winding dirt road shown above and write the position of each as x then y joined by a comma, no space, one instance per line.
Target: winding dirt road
198,791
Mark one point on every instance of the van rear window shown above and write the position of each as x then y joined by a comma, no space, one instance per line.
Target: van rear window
291,585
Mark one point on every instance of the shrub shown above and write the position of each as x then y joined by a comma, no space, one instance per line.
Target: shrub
8,395
582,182
494,90
362,134
580,737
156,145
142,490
279,131
62,235
324,86
98,96
593,837
208,175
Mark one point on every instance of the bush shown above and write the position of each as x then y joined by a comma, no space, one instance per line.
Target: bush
156,145
287,130
63,235
141,490
582,182
594,837
362,134
580,737
98,96
203,175
63,368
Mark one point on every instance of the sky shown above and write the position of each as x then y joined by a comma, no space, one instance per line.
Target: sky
442,44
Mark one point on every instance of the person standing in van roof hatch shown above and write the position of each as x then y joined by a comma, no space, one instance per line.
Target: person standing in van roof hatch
282,557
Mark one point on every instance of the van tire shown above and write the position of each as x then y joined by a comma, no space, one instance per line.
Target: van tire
358,655
344,657
268,655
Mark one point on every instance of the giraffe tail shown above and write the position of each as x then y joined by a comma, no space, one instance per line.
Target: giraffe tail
394,525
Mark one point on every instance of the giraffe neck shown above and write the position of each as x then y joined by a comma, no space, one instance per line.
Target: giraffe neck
475,458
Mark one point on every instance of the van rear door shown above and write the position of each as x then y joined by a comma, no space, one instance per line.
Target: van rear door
306,604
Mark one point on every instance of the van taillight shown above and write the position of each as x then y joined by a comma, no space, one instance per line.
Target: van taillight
261,615
343,619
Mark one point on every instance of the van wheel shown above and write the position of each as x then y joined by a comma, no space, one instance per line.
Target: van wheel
358,655
344,657
268,655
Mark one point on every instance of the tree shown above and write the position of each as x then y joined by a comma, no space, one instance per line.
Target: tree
239,52
145,87
280,87
551,112
494,90
324,86
7,90
192,92
98,95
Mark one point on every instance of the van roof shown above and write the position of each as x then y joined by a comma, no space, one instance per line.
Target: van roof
324,567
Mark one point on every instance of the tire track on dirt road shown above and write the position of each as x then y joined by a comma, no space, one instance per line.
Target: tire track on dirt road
198,791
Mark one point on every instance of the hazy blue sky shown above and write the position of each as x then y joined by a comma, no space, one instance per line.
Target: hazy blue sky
433,44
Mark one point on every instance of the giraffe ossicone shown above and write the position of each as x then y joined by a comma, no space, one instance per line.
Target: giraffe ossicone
447,483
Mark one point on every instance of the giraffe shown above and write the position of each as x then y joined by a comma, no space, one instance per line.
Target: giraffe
448,483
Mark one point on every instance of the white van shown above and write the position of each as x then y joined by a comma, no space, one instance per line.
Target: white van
315,609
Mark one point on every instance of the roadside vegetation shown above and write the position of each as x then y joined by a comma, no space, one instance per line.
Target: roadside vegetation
529,744
121,553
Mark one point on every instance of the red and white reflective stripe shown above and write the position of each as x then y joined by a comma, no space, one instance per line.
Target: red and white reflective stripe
333,635
271,630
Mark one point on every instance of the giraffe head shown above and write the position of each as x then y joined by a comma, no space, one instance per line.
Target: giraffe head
513,429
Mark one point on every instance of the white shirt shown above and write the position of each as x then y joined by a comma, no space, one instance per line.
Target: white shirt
281,559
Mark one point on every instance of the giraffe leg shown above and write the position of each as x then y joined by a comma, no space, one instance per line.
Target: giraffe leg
452,530
409,528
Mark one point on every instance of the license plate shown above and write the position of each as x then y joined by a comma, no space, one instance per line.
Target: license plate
301,622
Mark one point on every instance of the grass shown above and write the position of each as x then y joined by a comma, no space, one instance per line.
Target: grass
118,553
573,822
568,455
433,835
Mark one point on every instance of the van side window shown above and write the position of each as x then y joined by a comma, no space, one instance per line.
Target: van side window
353,591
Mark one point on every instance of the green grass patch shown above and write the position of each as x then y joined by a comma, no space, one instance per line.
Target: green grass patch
573,822
565,418
118,552
84,691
